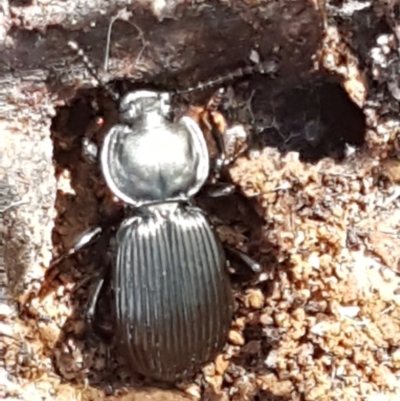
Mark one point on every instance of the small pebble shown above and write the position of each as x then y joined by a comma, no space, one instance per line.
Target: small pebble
221,364
209,369
5,310
266,319
6,330
255,299
193,390
235,337
348,311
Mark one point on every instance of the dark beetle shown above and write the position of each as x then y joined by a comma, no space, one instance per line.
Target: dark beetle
173,299
172,295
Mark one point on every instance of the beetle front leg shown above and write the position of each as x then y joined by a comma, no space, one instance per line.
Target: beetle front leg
232,142
220,160
81,242
217,190
216,123
90,151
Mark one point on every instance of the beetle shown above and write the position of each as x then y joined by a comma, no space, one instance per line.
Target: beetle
172,296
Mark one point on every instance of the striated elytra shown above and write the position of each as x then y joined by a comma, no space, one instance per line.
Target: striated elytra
174,305
172,294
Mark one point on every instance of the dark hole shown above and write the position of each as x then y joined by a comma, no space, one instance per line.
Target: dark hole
315,118
318,352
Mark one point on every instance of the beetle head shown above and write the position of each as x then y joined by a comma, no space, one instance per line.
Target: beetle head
140,103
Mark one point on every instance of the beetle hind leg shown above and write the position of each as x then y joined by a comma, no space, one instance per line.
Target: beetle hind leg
101,326
91,306
245,260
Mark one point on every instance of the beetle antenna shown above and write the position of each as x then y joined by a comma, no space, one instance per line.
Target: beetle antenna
92,68
264,68
86,61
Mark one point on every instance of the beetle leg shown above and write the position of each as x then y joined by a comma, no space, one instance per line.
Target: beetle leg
81,242
231,142
220,189
218,127
101,331
234,253
220,159
102,327
90,151
237,142
93,300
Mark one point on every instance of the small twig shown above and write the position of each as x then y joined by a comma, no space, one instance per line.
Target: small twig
12,205
140,35
248,105
144,43
106,57
393,197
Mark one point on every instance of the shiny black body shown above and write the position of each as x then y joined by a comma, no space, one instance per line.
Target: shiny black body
173,297
172,294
